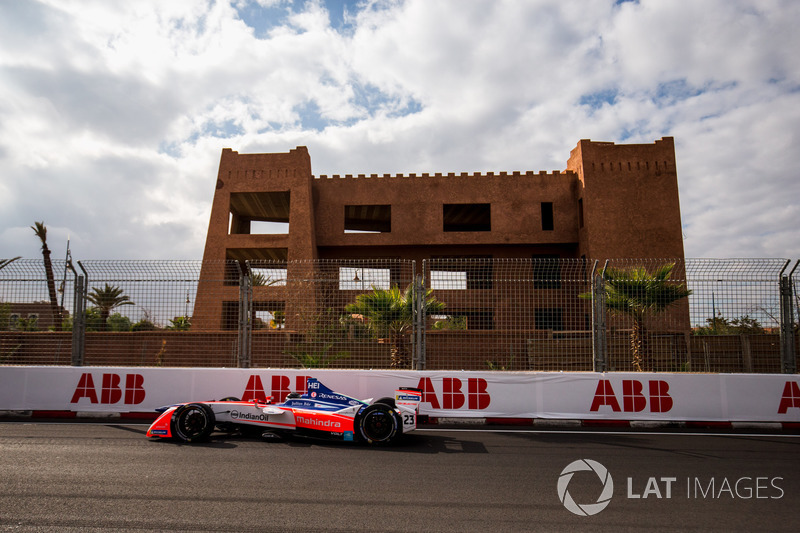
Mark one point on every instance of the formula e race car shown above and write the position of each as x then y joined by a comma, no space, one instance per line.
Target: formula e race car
319,412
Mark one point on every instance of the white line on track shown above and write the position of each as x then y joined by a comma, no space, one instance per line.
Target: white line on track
473,430
632,433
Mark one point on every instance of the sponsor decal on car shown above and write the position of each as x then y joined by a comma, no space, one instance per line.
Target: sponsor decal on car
317,423
236,415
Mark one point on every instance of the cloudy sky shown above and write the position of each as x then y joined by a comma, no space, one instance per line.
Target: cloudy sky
113,113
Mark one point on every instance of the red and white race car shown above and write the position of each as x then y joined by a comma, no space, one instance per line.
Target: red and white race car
320,412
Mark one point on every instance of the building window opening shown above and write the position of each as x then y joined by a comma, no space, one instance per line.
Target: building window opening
268,277
443,280
367,218
580,212
461,273
547,216
467,217
259,213
446,322
549,319
269,315
546,272
364,279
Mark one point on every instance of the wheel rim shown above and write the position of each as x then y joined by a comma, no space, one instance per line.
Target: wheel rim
193,422
378,425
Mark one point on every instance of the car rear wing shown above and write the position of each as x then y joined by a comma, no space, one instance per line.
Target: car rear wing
408,397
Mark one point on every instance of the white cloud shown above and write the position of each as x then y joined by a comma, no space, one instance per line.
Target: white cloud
113,114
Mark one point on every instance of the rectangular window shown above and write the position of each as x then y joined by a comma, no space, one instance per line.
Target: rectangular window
467,217
471,319
462,273
268,277
364,279
445,280
549,319
367,218
269,315
547,216
546,272
259,213
580,212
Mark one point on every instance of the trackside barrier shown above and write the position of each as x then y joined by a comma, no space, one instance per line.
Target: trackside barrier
642,396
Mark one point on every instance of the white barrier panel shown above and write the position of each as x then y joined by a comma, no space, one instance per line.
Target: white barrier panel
586,395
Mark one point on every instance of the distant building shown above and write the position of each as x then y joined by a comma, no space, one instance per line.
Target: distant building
33,316
612,201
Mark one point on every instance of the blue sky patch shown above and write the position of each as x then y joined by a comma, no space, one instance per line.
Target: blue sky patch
310,116
263,19
598,99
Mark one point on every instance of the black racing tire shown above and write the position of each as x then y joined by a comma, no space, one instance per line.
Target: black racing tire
193,422
378,424
387,401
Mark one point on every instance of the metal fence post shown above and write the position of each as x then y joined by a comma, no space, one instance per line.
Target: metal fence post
245,328
788,361
79,317
599,352
78,320
419,323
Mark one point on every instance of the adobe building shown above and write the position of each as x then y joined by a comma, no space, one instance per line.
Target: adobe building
611,201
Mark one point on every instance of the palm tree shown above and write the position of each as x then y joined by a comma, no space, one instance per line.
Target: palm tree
107,299
41,231
5,262
389,314
636,293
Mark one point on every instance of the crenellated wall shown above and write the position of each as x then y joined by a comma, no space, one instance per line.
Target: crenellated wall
613,201
417,209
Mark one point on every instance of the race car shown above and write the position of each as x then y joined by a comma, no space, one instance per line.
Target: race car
319,412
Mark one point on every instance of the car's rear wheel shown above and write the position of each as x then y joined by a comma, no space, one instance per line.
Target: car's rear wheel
193,422
378,424
388,401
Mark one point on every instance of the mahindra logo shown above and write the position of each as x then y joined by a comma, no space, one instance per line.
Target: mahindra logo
317,423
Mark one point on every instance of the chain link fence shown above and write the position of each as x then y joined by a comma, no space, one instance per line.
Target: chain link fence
451,313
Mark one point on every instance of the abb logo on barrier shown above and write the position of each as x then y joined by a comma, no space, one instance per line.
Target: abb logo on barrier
110,390
790,397
453,395
633,398
254,390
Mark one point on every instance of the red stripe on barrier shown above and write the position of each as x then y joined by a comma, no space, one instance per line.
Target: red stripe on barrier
139,416
710,425
606,423
510,421
53,414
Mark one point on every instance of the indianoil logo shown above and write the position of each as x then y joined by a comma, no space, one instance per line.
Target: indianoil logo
585,509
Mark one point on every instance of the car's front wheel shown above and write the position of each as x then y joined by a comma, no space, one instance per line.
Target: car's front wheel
193,422
378,424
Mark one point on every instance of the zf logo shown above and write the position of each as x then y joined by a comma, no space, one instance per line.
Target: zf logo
585,509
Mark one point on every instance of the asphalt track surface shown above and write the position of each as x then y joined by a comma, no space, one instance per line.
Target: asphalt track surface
79,477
